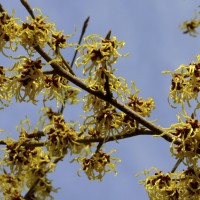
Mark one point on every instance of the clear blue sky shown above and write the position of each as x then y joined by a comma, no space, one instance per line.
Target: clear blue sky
155,43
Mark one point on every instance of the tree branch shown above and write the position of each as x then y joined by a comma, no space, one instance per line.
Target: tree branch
60,71
89,140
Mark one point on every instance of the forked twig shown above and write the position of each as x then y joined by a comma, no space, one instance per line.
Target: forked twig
65,62
85,24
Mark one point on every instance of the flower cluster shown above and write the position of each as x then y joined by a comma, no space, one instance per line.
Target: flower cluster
97,57
33,32
97,165
57,87
26,164
61,136
190,26
187,135
141,106
185,84
175,186
11,186
107,121
26,80
96,50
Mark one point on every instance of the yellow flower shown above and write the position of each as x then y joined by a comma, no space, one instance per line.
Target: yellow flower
174,186
185,84
97,50
61,136
35,32
11,186
9,30
59,40
98,164
187,134
143,107
190,26
27,80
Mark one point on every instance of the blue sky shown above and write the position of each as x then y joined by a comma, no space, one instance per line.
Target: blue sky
155,43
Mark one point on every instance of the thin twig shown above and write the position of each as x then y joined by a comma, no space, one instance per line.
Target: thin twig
85,24
176,165
107,85
2,142
136,132
48,72
2,9
99,147
28,8
80,39
108,35
65,62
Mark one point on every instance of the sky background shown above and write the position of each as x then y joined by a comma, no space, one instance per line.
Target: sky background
151,31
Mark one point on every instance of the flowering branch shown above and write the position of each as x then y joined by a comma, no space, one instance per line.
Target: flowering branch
113,111
90,140
60,71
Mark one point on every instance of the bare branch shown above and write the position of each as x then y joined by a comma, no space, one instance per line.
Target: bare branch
80,39
107,85
108,35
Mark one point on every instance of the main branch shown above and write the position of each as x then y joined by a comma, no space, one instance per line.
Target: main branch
77,81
